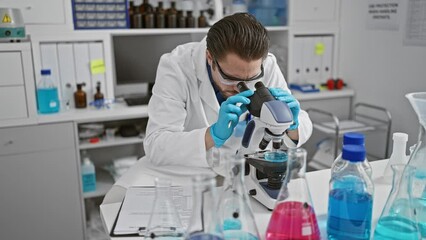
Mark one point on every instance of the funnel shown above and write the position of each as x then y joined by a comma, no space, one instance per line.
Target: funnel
418,102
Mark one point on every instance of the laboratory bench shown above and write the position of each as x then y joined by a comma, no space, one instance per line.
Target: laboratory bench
318,182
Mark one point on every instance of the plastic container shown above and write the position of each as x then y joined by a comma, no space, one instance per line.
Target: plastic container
351,138
350,203
47,94
88,175
269,12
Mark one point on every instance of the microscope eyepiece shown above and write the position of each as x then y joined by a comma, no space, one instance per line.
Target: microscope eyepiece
242,86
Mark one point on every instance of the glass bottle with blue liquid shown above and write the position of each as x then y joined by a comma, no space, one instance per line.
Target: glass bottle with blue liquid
47,93
351,138
350,202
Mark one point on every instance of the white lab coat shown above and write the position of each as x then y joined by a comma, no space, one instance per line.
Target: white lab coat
182,107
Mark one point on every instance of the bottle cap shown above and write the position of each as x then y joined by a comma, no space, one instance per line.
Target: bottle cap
398,136
45,72
353,153
353,138
86,161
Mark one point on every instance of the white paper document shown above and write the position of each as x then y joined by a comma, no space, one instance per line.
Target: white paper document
137,206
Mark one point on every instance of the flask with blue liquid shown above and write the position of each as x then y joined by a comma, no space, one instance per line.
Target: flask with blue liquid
47,93
350,201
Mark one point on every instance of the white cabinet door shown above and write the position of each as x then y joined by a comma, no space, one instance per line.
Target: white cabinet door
39,11
40,191
313,10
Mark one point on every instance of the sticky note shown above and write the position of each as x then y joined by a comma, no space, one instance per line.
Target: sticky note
319,48
97,66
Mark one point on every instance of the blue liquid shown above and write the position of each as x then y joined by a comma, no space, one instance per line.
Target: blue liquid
47,100
349,215
238,234
277,156
204,236
396,228
420,206
89,182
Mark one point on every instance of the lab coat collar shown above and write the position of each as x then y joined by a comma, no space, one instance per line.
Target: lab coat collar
206,90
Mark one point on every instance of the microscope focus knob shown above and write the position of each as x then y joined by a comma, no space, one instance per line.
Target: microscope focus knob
252,192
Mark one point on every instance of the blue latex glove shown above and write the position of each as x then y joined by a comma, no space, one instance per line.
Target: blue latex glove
229,114
293,104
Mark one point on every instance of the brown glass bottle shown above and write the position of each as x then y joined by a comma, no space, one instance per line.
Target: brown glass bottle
131,12
146,7
160,17
190,20
80,96
181,20
202,20
98,94
171,16
148,20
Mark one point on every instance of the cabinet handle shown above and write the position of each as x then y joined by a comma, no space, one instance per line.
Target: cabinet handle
10,142
28,7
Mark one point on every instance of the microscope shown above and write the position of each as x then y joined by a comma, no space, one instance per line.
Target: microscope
271,118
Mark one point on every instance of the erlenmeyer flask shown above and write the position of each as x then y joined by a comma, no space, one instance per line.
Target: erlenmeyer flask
204,223
294,216
418,160
235,211
164,221
398,220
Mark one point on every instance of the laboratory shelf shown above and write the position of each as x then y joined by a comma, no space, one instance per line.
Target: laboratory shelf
104,182
168,31
116,141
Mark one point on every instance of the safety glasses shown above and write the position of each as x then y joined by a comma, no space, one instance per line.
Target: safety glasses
230,80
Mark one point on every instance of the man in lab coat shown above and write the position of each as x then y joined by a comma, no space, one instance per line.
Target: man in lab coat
196,106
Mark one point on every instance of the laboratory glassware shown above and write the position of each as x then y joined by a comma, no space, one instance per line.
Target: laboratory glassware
236,215
204,223
350,202
398,155
47,93
398,220
164,222
351,138
293,216
418,160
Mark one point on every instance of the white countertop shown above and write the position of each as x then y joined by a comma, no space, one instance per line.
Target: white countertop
318,184
90,114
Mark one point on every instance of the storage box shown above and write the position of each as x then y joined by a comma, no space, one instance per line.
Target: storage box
100,14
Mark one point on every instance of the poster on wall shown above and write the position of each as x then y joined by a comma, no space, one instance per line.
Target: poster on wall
415,30
383,15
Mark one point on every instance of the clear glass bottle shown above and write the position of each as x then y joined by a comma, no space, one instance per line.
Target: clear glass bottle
398,220
235,211
47,93
164,222
204,223
350,202
351,138
293,216
418,160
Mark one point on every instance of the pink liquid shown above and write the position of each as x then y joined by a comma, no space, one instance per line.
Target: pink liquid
293,220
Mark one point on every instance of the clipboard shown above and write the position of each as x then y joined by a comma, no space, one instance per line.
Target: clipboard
135,210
